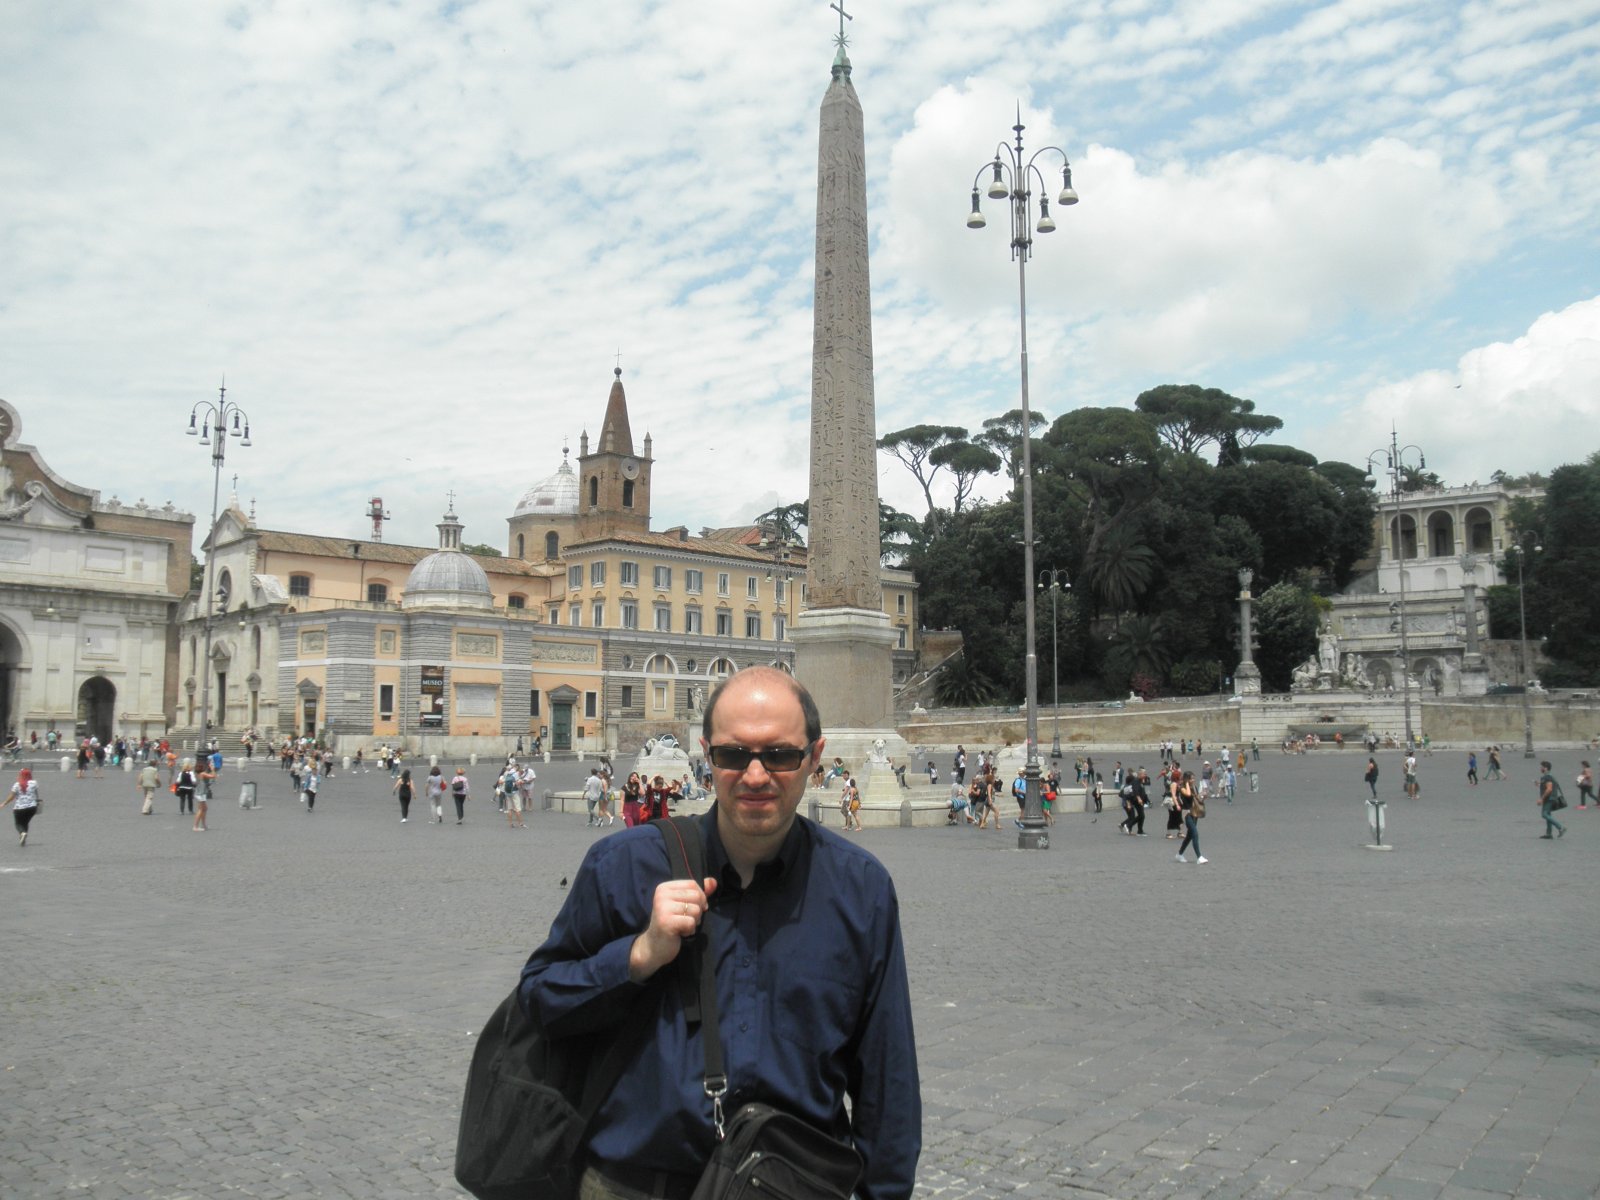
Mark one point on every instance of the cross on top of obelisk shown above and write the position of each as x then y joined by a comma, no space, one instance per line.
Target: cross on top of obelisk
841,40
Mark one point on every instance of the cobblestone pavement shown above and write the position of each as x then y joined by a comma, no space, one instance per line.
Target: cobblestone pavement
284,1006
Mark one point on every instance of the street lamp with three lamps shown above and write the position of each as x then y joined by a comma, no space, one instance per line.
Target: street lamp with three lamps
1015,174
218,422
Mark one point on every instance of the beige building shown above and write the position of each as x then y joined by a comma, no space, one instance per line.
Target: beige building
593,634
89,594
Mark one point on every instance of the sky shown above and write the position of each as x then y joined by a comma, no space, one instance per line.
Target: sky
415,238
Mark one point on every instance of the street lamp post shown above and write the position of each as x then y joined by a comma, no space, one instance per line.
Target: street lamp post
1054,580
1394,459
1014,176
1522,616
218,422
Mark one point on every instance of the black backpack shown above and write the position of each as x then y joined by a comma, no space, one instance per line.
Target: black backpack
531,1099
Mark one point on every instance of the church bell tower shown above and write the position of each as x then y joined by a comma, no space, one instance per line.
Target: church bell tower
613,481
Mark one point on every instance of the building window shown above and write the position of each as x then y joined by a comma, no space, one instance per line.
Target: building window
752,625
721,668
663,579
724,623
722,583
780,627
575,615
627,493
663,618
555,614
594,499
520,554
386,702
552,545
780,587
658,697
902,637
630,615
377,593
255,646
299,585
597,573
599,614
691,620
900,604
752,588
628,574
575,577
516,600
591,704
627,695
694,580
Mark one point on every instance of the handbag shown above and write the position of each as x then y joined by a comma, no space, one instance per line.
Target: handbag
530,1098
762,1152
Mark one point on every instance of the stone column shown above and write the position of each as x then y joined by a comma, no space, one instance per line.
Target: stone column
1246,676
843,640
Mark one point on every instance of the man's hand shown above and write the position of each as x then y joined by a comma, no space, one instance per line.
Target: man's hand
675,914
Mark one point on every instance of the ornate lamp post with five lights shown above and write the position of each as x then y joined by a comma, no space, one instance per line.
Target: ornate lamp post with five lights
1015,175
218,422
1522,614
1053,581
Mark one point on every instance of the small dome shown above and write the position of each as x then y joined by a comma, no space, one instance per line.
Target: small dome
555,496
447,577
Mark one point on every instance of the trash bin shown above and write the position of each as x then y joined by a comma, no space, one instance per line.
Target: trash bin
1255,780
247,794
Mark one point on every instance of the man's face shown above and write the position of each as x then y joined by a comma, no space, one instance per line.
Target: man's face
759,714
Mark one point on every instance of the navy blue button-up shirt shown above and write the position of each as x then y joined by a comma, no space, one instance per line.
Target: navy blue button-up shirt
811,993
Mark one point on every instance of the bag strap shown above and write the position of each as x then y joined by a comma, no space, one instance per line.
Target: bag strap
699,979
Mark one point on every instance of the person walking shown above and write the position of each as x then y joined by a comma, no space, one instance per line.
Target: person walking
1372,776
1494,764
850,803
435,789
1174,777
1586,787
149,781
980,796
1189,803
460,788
514,799
592,787
1551,801
24,801
185,783
202,794
1472,767
1412,788
312,781
402,789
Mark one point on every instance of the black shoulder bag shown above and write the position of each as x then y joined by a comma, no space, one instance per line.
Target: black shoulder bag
530,1098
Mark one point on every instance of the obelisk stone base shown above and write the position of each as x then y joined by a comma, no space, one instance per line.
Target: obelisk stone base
844,656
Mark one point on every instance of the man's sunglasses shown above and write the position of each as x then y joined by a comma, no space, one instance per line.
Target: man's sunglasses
773,758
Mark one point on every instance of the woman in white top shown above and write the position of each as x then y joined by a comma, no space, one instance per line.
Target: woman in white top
24,799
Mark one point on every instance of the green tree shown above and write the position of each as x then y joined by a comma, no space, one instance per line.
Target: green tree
966,463
959,685
787,522
480,548
1138,647
1113,457
1563,600
1189,418
1286,619
1003,435
914,447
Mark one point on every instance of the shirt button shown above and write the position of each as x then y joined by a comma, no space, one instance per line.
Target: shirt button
744,1027
745,961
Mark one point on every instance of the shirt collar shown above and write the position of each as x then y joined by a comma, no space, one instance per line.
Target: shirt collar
795,845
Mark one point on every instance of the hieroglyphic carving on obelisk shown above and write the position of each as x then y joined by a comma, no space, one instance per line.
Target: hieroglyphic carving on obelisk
843,516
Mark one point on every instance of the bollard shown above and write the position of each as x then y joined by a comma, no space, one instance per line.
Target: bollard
547,756
66,764
344,763
239,763
433,760
472,759
127,763
1375,809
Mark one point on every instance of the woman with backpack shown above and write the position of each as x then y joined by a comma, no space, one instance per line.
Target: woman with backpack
459,787
1192,807
184,785
435,788
402,788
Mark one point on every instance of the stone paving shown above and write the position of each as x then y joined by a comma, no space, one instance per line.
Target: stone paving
284,1006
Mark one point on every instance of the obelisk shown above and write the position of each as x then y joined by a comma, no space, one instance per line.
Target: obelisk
843,640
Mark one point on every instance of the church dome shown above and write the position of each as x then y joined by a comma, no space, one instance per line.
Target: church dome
554,496
448,578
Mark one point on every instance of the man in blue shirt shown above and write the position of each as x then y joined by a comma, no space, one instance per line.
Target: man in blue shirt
812,995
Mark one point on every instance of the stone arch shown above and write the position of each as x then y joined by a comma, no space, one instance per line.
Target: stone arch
660,664
1479,525
720,667
1441,579
1379,674
97,708
224,591
1441,534
1402,536
12,660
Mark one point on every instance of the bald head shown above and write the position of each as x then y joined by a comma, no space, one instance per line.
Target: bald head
771,677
